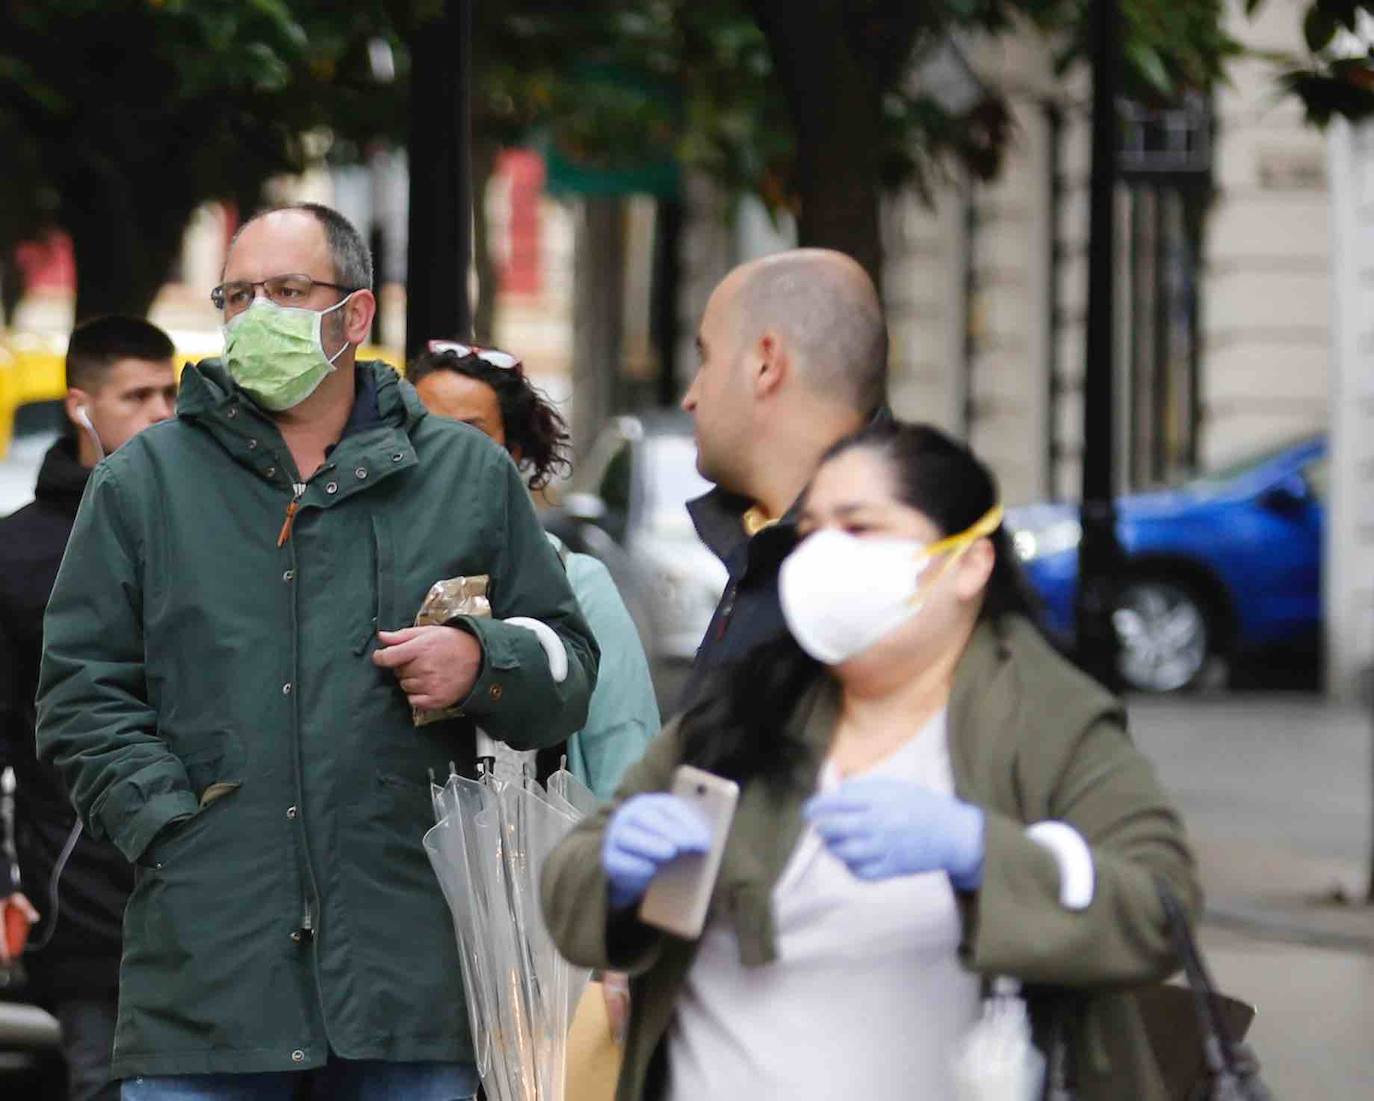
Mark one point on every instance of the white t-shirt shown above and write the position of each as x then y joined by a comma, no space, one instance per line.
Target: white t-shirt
867,998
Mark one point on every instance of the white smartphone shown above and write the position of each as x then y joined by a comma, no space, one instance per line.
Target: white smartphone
680,894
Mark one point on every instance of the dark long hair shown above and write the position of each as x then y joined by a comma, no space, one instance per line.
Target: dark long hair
741,727
535,430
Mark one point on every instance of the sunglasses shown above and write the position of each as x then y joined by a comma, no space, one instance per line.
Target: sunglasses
501,360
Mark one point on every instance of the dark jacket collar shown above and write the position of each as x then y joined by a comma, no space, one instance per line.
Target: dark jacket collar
62,479
208,393
718,515
384,412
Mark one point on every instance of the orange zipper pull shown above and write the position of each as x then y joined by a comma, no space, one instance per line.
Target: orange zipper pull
292,507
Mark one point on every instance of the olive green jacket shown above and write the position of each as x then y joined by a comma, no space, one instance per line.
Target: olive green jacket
1031,739
208,694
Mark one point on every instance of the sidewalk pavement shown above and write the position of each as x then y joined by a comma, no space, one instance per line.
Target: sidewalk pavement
1275,792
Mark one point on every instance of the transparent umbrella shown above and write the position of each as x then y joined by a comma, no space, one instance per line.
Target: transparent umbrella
488,848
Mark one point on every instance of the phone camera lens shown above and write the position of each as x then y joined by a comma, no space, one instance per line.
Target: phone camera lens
701,789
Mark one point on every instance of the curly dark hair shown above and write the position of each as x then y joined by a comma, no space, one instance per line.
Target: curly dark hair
535,430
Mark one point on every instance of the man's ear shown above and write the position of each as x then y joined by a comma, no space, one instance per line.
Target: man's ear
771,364
358,315
75,401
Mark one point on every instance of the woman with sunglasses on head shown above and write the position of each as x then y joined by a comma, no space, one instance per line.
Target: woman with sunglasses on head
488,389
930,798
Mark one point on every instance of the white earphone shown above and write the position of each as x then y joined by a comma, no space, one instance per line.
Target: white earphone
84,419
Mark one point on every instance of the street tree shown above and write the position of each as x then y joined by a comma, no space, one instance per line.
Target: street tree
120,117
864,121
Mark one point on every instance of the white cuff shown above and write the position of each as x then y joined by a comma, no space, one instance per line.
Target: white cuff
553,645
1075,860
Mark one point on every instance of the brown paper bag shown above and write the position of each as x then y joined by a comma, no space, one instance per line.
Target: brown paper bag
593,1055
451,597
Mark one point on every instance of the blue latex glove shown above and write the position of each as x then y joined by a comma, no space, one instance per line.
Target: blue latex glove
881,827
645,833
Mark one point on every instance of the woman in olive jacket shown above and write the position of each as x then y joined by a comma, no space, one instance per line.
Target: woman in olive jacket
930,797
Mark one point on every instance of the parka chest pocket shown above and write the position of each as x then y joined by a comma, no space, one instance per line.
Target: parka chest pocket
381,613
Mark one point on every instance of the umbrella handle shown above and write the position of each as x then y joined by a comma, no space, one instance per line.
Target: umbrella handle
486,752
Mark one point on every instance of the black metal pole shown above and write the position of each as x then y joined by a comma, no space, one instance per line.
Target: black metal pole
1100,553
439,249
667,280
1054,259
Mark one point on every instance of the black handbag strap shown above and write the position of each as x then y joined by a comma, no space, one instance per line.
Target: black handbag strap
1234,1070
1218,1047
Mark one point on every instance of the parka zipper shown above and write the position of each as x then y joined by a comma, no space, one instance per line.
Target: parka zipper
292,507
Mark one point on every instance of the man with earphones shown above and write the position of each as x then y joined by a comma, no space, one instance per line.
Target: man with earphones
120,380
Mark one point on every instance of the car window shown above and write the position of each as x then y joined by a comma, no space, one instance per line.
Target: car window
1219,479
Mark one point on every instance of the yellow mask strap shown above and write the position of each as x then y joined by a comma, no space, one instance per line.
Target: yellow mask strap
988,523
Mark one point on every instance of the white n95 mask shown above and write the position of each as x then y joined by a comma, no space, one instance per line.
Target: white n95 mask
841,594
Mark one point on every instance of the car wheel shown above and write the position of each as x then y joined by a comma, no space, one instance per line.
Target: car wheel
1164,635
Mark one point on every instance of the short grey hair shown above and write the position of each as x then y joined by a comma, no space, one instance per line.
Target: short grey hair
826,308
348,252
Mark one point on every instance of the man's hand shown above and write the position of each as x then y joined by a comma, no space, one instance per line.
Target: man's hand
17,915
436,666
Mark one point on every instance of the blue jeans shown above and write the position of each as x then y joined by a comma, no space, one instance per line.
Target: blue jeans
338,1080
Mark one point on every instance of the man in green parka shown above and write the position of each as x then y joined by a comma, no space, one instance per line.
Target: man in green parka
229,684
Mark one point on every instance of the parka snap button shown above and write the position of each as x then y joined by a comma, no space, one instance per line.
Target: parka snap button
289,576
286,689
291,812
298,1056
332,487
270,472
360,473
495,691
296,936
233,411
252,445
396,458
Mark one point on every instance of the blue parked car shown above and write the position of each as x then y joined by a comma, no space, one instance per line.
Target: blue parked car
1226,565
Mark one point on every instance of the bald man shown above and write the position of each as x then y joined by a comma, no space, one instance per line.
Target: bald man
792,355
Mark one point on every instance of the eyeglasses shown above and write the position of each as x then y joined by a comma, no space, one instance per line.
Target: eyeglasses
503,360
285,290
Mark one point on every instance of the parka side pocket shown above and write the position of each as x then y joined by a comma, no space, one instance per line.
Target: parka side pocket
217,769
215,772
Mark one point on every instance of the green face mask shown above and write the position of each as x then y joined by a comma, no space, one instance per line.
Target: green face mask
276,354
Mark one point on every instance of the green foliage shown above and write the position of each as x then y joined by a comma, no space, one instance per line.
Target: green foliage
162,104
703,85
1336,77
129,113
